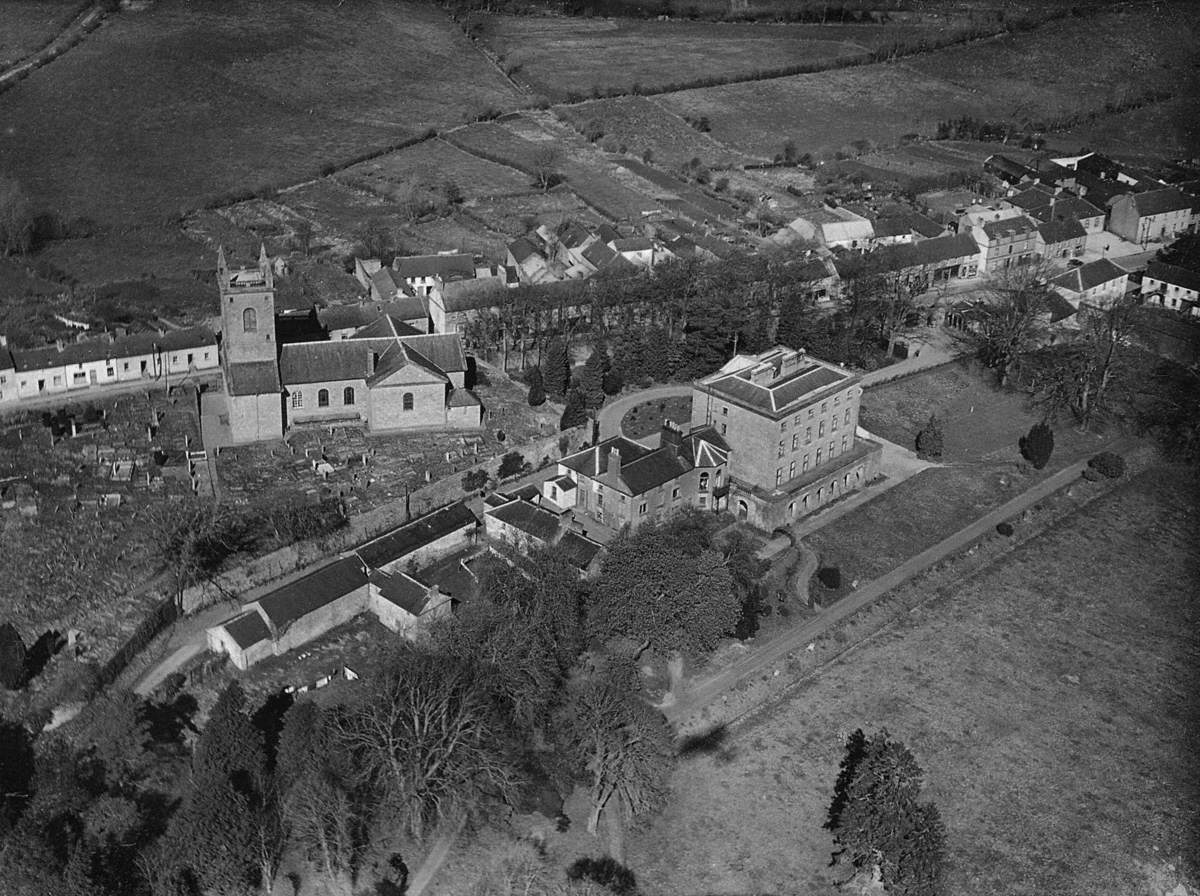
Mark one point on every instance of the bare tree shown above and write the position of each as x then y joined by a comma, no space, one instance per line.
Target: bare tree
16,218
623,744
545,162
427,735
1019,318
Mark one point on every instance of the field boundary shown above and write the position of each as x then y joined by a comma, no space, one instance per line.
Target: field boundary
87,18
778,652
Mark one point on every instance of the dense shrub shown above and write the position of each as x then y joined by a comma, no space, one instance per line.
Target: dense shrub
473,480
511,464
1005,529
1038,445
1109,464
930,440
830,577
12,657
605,871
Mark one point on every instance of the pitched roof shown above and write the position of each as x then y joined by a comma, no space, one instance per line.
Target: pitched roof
1090,275
521,249
572,234
1061,231
632,244
656,468
1037,196
298,598
399,356
528,518
247,629
1160,202
461,398
443,349
455,266
383,327
579,549
103,348
252,378
1059,308
342,359
6,359
401,589
1007,166
403,540
703,447
1068,208
944,248
1173,274
1009,227
592,462
598,254
891,226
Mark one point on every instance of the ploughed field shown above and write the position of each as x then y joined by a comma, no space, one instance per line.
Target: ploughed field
1048,699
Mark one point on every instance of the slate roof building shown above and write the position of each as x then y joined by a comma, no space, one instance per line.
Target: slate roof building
1173,287
1098,283
620,482
1153,216
791,425
1060,240
379,376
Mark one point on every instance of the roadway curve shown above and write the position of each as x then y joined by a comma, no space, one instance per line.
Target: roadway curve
70,35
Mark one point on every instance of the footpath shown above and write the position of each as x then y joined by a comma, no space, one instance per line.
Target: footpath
699,693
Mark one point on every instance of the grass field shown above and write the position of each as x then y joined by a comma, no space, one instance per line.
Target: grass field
558,57
29,24
431,164
646,419
161,108
640,123
1175,124
1048,699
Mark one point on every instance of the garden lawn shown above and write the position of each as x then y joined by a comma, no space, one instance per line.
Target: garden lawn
647,419
1049,699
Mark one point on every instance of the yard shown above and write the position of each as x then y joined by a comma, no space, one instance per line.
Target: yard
1047,698
647,419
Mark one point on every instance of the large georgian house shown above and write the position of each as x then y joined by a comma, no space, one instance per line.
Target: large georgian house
1156,215
791,425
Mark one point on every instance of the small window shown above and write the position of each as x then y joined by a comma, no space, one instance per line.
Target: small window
703,500
792,470
821,429
818,457
781,448
843,444
722,429
834,424
703,482
831,450
806,463
795,441
847,416
642,508
323,398
824,406
125,366
779,476
249,321
297,399
348,395
808,433
407,401
724,412
810,413
783,426
675,493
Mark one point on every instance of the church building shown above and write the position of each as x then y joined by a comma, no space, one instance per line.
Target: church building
381,376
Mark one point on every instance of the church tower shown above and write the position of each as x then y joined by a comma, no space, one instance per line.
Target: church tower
247,311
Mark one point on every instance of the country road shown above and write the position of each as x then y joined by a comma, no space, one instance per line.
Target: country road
700,693
59,44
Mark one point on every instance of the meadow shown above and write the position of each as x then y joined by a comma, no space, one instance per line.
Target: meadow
566,57
1047,699
181,105
30,24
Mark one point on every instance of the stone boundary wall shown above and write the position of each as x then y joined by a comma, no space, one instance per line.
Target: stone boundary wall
231,583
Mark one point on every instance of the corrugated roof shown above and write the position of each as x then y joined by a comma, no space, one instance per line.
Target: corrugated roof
532,520
403,540
297,599
248,629
101,349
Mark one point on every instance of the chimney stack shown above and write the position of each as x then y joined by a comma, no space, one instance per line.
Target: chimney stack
671,435
614,461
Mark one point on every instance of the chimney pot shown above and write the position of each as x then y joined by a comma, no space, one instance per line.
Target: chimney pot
614,461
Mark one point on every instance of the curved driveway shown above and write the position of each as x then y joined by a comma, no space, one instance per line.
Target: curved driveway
610,415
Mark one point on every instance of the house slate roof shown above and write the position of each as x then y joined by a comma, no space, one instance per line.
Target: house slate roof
1160,202
405,591
572,234
1037,196
298,598
1061,231
811,271
521,249
318,362
6,359
100,349
1090,275
461,398
253,378
528,518
599,254
944,248
1068,208
399,356
579,549
607,233
592,462
1174,275
632,244
703,447
1008,228
457,266
1059,308
390,286
779,395
886,227
443,349
248,629
383,327
657,468
403,540
1007,166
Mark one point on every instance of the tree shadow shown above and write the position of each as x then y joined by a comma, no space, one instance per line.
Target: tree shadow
714,742
168,720
41,652
268,719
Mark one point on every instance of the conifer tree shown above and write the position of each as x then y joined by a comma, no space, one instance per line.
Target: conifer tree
537,388
575,413
591,378
1038,445
556,368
